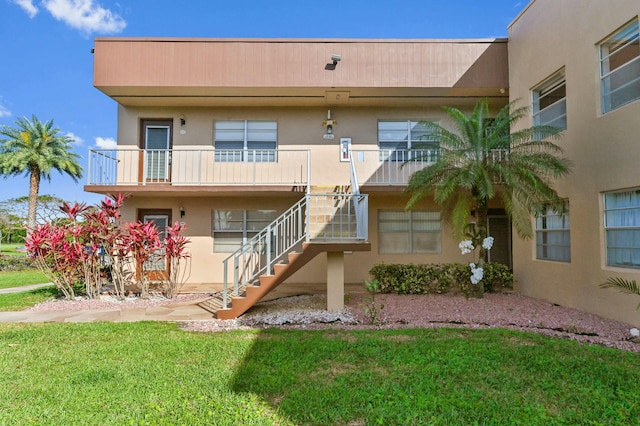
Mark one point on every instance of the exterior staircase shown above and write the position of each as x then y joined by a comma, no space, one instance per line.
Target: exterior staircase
321,222
282,270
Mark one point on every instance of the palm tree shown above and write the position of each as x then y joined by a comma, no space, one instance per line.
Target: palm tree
35,148
482,160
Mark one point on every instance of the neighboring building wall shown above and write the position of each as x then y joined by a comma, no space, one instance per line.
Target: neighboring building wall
549,36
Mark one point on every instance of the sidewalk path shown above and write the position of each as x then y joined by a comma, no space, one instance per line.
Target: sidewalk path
187,311
24,288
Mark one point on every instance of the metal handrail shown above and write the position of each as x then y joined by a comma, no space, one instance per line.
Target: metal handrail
322,217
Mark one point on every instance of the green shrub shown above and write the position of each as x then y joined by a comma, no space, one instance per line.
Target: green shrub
436,278
497,277
16,263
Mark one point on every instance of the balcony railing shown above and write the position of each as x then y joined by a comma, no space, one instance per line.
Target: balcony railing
395,167
198,167
390,167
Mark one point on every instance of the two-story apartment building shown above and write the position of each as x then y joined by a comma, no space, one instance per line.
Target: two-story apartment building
227,135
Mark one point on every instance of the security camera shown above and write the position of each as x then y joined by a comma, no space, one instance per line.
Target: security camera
335,58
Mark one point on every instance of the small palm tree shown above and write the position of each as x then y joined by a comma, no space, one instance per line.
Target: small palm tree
34,149
482,160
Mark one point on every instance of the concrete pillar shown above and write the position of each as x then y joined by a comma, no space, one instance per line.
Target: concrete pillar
335,281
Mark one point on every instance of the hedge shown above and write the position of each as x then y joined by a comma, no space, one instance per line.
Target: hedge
434,278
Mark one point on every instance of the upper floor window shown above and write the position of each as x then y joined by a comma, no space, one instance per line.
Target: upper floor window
553,239
244,140
401,140
622,228
550,103
620,68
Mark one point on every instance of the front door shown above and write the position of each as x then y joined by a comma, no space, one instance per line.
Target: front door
499,227
155,144
157,267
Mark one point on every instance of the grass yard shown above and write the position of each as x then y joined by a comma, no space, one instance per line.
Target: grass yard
19,301
21,278
154,373
10,249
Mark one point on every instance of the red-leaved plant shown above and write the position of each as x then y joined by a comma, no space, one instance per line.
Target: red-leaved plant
92,246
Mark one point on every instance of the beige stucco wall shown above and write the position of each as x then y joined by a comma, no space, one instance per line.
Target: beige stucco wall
298,128
206,266
604,149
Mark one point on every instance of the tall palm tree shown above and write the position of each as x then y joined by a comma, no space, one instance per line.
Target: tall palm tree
34,149
482,160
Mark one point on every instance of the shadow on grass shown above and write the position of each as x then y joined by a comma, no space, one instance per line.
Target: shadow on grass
437,376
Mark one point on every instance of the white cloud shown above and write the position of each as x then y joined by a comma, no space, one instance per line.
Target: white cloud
76,139
4,112
85,15
106,143
27,6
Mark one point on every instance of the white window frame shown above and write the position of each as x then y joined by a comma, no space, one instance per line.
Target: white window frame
551,228
625,76
239,149
622,222
248,229
409,229
554,113
396,150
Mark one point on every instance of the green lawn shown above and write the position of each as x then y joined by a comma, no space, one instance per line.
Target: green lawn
23,300
154,373
10,279
10,249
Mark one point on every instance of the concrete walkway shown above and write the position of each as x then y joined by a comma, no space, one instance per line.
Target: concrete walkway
187,311
24,288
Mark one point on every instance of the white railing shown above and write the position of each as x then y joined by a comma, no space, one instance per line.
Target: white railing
318,217
394,168
198,167
390,167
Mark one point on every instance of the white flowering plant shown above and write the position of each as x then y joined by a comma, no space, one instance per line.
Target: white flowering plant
477,270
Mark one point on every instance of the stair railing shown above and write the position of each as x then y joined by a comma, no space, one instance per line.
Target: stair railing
341,215
360,203
258,255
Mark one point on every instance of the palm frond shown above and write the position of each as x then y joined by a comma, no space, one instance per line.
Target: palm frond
625,286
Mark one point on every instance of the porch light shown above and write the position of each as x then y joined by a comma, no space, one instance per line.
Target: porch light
328,123
182,120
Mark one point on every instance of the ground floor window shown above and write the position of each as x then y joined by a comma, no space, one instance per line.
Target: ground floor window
622,228
553,239
414,231
233,228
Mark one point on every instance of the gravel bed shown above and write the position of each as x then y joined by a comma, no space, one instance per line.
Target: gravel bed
499,310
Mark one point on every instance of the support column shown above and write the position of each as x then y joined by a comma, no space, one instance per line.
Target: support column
335,281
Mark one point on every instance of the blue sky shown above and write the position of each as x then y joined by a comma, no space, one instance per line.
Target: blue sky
47,66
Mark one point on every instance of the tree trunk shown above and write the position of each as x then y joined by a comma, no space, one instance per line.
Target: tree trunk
482,212
34,188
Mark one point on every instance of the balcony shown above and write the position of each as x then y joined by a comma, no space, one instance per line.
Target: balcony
393,168
390,167
135,168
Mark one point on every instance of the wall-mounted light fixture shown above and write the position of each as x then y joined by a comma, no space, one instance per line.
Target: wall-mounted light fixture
335,58
329,123
182,120
182,213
